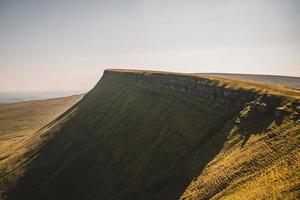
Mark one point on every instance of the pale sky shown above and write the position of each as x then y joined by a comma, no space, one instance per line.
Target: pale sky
66,45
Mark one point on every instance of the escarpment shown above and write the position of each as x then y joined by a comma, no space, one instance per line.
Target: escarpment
153,135
233,98
194,85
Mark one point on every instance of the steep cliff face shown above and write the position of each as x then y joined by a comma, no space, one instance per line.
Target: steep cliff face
198,86
153,135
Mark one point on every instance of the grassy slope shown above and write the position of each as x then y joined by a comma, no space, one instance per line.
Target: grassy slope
18,121
131,138
266,167
29,116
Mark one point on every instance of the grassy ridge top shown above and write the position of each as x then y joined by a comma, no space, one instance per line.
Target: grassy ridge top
289,81
275,89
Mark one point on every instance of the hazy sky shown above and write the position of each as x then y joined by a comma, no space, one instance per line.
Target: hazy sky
66,45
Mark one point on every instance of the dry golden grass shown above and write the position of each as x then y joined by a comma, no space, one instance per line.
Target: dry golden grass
267,167
29,116
18,122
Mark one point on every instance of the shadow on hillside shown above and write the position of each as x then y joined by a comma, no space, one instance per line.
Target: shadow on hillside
205,152
51,180
257,125
254,126
93,176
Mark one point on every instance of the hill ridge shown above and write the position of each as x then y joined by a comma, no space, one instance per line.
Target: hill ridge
145,135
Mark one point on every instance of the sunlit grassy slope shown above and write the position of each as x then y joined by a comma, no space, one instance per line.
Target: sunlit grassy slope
153,135
18,121
29,116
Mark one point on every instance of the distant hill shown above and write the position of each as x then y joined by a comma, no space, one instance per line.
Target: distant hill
160,135
288,81
30,116
19,121
13,97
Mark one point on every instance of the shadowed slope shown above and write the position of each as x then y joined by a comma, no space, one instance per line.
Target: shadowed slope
147,135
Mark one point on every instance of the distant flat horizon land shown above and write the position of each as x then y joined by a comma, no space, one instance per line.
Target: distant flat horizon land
20,96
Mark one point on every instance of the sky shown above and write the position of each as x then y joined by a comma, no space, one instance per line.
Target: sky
66,45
